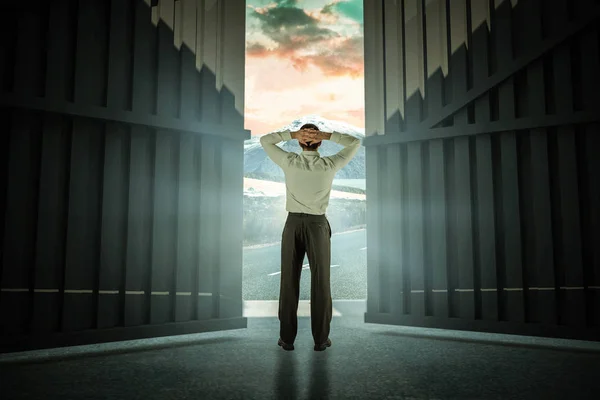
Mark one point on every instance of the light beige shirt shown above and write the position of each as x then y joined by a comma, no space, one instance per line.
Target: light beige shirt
308,176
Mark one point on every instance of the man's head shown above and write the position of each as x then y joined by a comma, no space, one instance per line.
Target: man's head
311,146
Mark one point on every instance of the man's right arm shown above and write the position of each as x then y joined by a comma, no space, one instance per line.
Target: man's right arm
351,146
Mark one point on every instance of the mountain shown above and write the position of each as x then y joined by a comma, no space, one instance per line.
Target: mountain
257,161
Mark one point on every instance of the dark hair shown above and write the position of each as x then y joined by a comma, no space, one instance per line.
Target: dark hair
311,146
309,126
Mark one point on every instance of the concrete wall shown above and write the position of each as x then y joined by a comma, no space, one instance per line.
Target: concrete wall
122,154
483,124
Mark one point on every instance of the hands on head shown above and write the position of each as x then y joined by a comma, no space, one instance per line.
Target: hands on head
309,136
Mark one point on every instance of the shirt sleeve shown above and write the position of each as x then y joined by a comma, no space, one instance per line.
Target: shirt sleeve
351,146
275,153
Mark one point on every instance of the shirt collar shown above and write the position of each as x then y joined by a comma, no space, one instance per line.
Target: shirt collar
310,152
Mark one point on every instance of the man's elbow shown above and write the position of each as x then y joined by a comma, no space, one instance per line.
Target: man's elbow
263,141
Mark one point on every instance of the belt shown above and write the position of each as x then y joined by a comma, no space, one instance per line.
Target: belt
306,215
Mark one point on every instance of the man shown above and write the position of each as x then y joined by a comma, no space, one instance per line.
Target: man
308,179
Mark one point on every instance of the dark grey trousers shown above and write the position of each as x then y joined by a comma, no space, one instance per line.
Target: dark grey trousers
311,235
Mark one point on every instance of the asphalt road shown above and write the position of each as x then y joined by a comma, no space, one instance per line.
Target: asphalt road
262,270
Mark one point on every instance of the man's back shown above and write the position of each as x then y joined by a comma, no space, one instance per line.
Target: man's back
308,176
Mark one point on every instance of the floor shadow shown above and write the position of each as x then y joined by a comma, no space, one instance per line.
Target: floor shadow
495,342
64,353
319,376
285,385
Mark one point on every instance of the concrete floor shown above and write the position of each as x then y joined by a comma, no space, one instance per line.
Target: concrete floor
365,362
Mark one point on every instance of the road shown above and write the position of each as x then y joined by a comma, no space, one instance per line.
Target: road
262,271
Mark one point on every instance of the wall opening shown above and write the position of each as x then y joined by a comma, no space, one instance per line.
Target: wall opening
304,63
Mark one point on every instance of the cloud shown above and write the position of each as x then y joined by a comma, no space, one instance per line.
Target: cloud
352,9
304,39
290,27
344,59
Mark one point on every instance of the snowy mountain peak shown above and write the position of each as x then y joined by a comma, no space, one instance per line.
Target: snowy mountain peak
325,125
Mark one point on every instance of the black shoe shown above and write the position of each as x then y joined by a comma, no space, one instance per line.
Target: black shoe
285,346
321,347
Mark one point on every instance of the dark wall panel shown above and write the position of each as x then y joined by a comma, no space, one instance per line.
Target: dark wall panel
164,227
187,228
458,78
7,54
91,53
463,225
503,42
452,249
485,228
51,223
208,234
590,169
6,120
60,54
416,249
374,235
589,65
29,71
144,61
231,212
437,229
120,55
20,221
168,63
387,240
139,226
113,241
190,86
537,228
512,285
568,230
394,235
479,63
83,225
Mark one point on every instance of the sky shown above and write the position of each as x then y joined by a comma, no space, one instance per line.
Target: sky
303,57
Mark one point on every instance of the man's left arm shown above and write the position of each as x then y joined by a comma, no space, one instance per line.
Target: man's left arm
269,143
